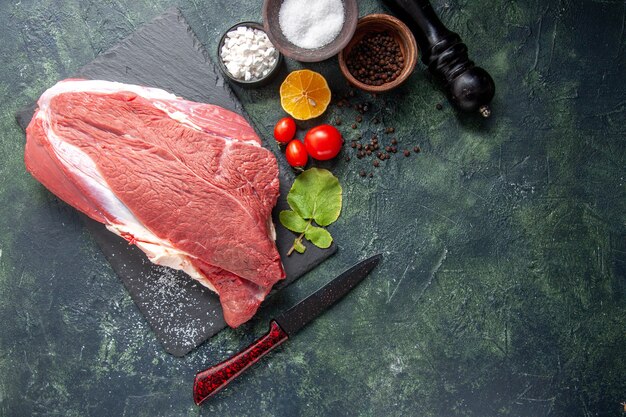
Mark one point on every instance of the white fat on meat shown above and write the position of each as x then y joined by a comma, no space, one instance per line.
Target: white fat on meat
170,104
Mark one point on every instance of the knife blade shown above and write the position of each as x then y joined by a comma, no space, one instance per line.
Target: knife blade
213,379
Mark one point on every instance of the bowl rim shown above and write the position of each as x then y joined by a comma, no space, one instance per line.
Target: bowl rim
409,67
319,54
253,25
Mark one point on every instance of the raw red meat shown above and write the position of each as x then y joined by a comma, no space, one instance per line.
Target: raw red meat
186,182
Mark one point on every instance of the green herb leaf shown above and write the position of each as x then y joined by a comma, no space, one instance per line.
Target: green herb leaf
298,246
318,236
292,221
316,194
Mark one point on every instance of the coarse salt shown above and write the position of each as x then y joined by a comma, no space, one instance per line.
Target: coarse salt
248,53
311,24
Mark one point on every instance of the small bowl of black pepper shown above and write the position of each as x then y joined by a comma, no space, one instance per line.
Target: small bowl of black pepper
381,55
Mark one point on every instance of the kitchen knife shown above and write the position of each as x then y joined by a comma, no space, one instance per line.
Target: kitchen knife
211,380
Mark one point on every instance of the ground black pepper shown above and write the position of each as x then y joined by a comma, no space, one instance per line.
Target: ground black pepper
376,59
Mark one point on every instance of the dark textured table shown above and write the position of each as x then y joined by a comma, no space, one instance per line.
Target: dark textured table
503,290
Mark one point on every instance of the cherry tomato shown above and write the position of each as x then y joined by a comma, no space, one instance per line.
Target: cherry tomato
296,154
285,130
323,142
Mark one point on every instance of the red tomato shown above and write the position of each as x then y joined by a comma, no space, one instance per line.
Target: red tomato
323,142
285,130
296,154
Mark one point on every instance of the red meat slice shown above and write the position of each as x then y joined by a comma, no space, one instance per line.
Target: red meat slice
188,183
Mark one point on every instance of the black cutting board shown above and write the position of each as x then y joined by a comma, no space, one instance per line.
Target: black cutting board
166,54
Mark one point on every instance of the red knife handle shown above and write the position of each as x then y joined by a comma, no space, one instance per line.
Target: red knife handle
213,379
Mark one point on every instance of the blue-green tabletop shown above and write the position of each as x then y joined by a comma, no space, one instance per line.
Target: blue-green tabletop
503,286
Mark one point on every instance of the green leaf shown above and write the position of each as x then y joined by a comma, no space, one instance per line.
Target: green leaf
292,221
318,236
298,246
316,194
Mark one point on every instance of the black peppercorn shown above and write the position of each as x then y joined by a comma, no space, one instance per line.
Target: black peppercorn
407,152
375,59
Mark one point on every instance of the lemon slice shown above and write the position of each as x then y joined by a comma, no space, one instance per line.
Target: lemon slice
304,94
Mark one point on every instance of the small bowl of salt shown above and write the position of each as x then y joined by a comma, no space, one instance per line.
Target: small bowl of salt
310,30
247,56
